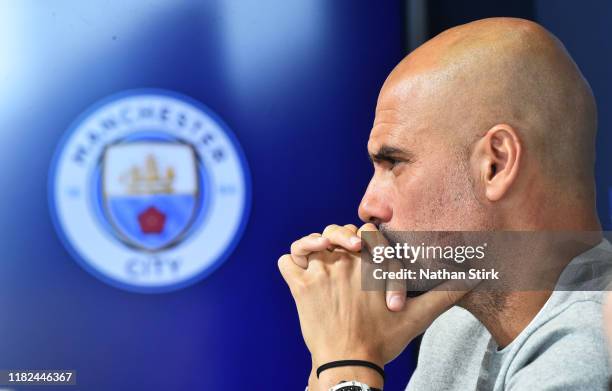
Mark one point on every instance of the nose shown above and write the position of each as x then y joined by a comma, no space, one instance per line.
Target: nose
375,207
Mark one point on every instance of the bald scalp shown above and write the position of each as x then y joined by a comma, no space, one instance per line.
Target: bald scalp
502,71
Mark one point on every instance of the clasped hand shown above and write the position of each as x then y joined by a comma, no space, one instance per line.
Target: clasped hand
338,319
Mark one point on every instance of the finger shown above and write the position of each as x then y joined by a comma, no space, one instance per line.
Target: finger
396,289
289,270
301,248
424,309
353,228
342,237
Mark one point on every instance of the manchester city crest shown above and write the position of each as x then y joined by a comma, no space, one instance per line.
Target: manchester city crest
149,190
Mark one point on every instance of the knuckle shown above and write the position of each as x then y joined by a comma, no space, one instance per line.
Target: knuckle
330,229
295,246
351,227
282,261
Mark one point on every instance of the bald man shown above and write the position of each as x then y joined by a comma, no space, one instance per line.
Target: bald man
489,126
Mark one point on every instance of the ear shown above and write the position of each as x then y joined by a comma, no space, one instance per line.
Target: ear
498,156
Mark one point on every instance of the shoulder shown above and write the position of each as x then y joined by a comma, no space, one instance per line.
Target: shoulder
566,350
578,321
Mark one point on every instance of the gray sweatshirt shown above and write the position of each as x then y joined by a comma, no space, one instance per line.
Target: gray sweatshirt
563,348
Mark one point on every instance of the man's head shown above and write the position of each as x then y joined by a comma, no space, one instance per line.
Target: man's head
489,125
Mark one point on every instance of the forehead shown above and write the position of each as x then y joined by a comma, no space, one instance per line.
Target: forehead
388,129
394,126
400,112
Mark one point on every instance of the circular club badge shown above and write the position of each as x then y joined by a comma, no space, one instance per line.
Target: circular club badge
149,191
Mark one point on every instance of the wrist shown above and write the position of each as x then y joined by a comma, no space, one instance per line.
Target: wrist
332,376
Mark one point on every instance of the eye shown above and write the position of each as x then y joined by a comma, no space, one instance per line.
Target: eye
387,162
393,162
390,162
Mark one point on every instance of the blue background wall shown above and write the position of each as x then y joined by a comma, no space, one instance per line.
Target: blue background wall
297,82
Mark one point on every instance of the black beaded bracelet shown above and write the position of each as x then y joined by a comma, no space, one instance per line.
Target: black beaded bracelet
351,363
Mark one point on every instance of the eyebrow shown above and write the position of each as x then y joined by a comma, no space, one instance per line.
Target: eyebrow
387,153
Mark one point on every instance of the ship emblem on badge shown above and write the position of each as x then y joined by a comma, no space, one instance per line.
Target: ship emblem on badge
149,202
149,191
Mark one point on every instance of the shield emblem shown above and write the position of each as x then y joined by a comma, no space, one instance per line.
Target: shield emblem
150,192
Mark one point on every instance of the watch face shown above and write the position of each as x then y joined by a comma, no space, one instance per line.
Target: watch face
351,386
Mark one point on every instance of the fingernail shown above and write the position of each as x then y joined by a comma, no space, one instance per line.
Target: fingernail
395,302
355,240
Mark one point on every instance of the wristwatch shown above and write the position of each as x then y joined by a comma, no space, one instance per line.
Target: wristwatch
353,386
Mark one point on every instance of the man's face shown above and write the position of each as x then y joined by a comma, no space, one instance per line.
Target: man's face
422,177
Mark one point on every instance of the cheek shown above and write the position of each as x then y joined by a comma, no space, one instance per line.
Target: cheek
416,196
436,200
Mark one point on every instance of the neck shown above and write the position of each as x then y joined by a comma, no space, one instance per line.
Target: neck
505,315
506,312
